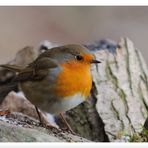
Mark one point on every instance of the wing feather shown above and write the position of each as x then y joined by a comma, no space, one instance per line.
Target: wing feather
34,71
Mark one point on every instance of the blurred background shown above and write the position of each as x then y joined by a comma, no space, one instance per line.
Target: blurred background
21,26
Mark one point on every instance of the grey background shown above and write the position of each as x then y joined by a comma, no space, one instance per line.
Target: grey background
21,26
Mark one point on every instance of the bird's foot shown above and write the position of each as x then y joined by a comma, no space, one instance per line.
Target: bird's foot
68,130
49,126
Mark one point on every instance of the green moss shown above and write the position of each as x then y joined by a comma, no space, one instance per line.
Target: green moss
117,114
139,137
111,76
121,94
143,101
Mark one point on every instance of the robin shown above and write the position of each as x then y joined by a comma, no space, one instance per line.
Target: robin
58,80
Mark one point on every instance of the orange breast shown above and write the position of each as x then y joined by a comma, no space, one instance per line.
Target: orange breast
74,78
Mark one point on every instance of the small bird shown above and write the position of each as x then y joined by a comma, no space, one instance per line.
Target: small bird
58,80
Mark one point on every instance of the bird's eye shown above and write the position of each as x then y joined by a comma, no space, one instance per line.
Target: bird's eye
79,57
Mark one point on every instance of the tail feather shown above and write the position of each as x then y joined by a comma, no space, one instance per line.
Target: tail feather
14,68
5,89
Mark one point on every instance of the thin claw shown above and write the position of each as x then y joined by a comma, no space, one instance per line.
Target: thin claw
69,131
49,126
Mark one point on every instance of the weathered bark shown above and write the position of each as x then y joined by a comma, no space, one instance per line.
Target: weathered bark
121,94
17,127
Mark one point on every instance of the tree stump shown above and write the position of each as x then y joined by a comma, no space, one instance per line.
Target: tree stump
118,104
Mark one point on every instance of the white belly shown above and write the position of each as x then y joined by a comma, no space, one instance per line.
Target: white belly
66,104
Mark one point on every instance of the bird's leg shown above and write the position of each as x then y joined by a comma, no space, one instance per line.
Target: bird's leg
66,123
46,125
39,116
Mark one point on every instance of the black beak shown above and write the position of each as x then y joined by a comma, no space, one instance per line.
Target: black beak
95,62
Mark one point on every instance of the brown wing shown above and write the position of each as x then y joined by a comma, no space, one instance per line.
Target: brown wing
35,71
14,68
